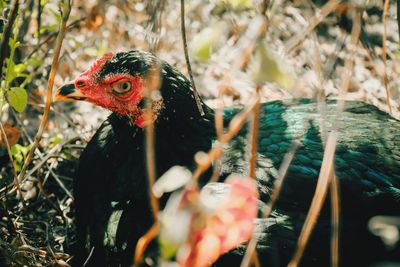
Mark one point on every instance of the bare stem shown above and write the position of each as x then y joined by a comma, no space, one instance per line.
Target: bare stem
318,199
144,241
384,47
254,135
216,152
251,247
183,32
219,128
335,204
43,159
152,88
3,133
64,14
7,31
52,35
263,7
327,172
7,214
314,21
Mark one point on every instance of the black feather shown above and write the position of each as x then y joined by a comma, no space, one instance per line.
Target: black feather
111,190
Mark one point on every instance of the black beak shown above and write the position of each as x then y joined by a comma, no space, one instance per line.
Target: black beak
68,92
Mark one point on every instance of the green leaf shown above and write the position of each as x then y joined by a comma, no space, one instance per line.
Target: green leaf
19,68
50,28
18,98
168,251
56,15
15,71
14,44
56,139
237,3
269,67
34,61
19,153
9,71
205,42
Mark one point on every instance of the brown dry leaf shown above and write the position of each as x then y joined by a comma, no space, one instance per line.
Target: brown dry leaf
40,92
12,135
62,263
51,126
65,69
95,18
227,90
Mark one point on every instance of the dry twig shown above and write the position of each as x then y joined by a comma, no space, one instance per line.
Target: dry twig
152,94
335,204
205,161
7,31
327,171
254,135
43,159
65,10
384,47
4,137
183,32
314,21
251,247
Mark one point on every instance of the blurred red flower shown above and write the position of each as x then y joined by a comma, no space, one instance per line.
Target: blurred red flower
223,220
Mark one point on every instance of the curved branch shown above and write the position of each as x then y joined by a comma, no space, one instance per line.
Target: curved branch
7,31
65,9
183,31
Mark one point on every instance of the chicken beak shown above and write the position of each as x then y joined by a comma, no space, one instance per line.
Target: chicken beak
68,92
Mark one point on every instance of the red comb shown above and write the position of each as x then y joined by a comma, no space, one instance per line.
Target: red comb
99,63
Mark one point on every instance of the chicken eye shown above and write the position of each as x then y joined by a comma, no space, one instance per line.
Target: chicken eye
122,88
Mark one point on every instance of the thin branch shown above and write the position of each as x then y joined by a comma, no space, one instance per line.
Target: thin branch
327,172
314,21
64,14
185,49
43,159
88,257
219,113
318,199
39,22
152,87
155,10
398,17
334,186
335,234
52,35
4,137
144,241
204,160
7,32
256,30
61,184
263,7
152,91
253,149
9,219
384,47
219,128
251,247
254,135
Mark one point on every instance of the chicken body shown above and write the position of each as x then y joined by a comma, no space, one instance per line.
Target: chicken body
111,190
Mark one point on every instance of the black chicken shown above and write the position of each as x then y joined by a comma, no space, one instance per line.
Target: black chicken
111,195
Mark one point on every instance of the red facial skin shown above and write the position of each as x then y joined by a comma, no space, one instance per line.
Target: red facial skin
101,93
